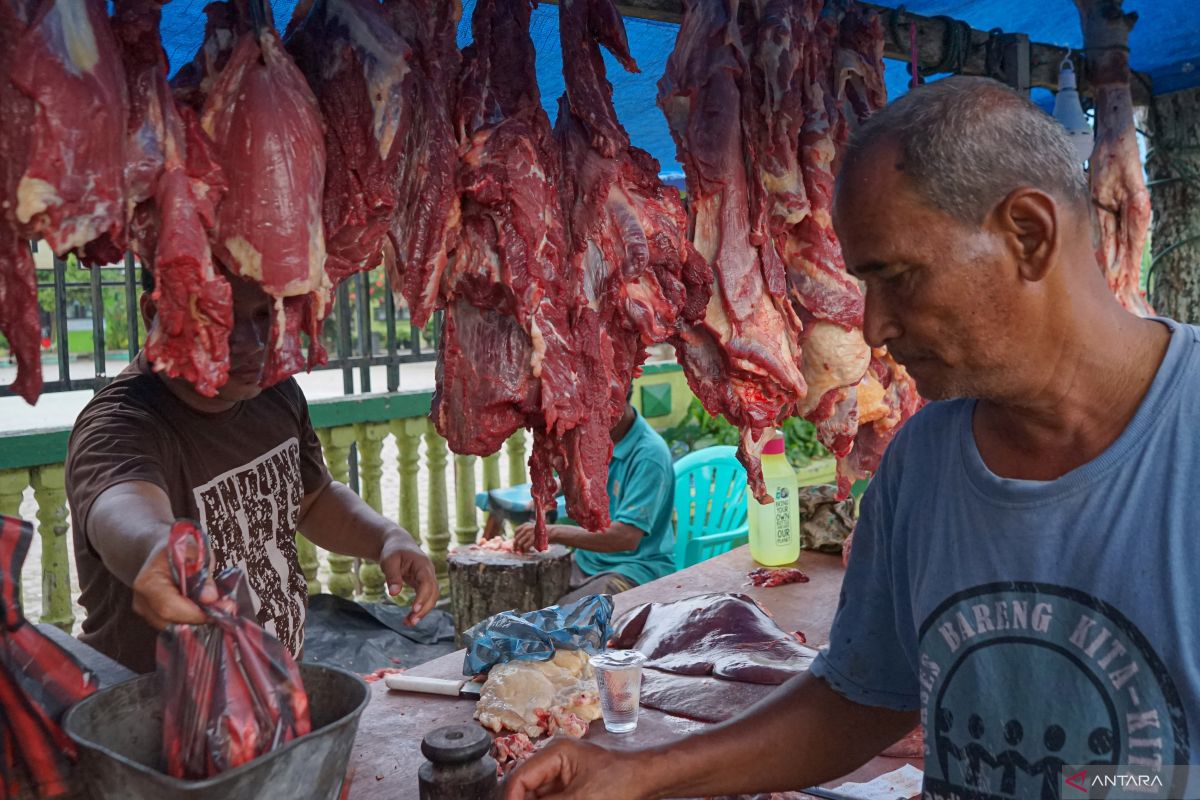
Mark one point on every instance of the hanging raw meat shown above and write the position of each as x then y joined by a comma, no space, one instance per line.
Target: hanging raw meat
268,139
802,74
425,227
637,275
743,359
1115,169
359,69
19,320
505,327
172,187
884,400
796,101
72,191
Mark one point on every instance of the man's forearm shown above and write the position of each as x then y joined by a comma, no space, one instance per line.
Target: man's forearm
340,521
804,734
126,523
618,538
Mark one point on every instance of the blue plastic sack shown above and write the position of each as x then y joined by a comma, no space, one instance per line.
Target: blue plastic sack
535,635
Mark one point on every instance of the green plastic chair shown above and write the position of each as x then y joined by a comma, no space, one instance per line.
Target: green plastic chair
710,505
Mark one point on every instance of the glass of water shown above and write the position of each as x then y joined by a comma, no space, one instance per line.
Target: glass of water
619,679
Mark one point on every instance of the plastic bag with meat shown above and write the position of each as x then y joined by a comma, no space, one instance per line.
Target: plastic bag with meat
232,690
38,682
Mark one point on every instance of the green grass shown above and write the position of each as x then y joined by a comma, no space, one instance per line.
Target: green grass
80,343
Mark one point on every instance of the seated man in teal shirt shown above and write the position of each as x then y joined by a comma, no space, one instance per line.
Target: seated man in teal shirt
639,543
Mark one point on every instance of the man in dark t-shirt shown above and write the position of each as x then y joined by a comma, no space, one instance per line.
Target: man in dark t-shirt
246,464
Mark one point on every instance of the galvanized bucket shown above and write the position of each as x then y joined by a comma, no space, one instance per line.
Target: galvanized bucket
119,734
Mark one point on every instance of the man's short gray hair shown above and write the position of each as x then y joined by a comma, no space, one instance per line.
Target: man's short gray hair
967,142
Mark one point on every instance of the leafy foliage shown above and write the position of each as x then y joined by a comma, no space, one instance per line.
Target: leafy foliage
699,429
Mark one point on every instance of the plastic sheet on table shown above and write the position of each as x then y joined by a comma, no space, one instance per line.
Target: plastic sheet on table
535,635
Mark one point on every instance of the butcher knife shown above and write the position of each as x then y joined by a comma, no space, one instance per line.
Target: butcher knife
400,682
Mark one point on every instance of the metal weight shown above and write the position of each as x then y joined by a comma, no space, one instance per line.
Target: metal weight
459,767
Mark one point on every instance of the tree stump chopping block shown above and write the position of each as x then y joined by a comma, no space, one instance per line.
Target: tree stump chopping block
486,582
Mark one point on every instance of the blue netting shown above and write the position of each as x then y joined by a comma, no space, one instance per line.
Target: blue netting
1165,44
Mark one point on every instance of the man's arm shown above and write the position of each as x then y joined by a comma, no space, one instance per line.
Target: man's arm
129,524
337,519
618,537
803,734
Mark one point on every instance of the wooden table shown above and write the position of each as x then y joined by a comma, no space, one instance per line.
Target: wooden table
387,751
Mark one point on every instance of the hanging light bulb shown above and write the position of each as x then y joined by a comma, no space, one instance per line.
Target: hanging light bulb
1069,112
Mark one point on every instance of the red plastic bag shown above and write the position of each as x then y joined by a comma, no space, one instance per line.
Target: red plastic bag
232,690
39,681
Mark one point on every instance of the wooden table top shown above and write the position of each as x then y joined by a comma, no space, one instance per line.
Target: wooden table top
387,752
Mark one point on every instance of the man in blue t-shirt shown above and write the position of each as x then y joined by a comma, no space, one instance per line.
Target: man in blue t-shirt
1023,578
639,542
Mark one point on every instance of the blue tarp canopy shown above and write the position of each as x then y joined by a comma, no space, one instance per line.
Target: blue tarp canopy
1165,44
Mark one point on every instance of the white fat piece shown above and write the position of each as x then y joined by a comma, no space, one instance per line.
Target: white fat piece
78,36
246,256
537,353
833,357
34,196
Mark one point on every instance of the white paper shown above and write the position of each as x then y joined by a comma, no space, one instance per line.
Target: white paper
899,783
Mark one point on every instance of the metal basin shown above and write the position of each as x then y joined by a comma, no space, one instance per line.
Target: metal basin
119,734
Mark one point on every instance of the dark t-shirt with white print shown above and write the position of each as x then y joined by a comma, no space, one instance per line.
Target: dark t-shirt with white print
241,473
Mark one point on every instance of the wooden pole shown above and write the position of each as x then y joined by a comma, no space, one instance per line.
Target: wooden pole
943,45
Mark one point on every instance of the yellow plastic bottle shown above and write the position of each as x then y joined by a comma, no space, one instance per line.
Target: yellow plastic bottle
775,528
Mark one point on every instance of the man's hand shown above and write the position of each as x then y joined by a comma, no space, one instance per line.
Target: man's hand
338,520
524,536
569,769
403,562
156,596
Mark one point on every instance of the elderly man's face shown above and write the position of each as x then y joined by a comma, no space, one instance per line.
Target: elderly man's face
939,293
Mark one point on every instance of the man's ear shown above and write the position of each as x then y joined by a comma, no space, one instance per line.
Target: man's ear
149,309
1030,221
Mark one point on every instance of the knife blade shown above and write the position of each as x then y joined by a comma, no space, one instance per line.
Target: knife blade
400,682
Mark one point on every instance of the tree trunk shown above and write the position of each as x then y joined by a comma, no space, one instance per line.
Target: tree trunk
484,582
1173,166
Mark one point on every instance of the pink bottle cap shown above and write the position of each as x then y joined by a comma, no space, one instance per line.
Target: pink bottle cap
775,447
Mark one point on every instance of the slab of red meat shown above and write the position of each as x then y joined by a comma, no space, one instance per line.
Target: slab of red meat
831,304
359,69
172,187
425,227
724,635
268,139
743,359
637,276
506,344
1115,173
766,578
802,76
72,191
701,698
19,320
